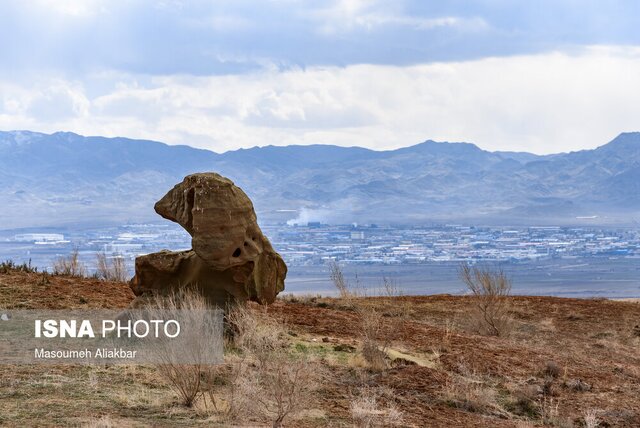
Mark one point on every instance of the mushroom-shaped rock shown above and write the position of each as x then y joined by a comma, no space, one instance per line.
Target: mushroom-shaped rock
218,215
231,259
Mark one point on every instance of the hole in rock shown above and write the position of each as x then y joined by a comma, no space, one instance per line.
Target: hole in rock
191,198
237,252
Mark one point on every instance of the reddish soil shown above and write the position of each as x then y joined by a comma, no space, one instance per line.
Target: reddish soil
19,290
594,342
591,340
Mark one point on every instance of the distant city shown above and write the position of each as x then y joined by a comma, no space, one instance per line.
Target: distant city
563,260
316,243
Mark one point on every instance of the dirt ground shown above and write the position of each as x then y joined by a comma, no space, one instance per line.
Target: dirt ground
22,290
591,341
564,362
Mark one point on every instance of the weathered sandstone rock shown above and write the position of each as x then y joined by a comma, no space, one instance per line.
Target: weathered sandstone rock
218,215
231,259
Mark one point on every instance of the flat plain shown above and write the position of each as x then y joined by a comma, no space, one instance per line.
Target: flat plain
565,362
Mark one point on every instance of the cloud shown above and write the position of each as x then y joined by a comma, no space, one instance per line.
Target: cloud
72,8
349,15
541,103
74,38
59,100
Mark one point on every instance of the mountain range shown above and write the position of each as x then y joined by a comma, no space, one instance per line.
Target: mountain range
65,179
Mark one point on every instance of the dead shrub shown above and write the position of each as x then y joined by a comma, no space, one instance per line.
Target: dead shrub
10,266
345,291
102,422
577,385
380,321
447,334
376,332
391,287
398,307
193,346
552,369
368,412
268,380
111,268
472,394
525,424
548,386
490,290
550,413
279,388
376,338
524,402
44,278
70,265
184,379
303,299
591,419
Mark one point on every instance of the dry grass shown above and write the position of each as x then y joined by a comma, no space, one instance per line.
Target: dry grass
111,268
476,380
192,309
469,391
101,422
10,266
84,396
378,326
268,379
550,413
376,338
70,265
342,285
490,289
591,419
552,369
368,412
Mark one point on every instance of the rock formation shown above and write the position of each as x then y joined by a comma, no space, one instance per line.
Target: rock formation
231,259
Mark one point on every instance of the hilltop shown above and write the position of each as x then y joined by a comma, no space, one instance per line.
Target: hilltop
566,359
77,180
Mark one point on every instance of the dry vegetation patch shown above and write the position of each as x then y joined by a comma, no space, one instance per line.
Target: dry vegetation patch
567,362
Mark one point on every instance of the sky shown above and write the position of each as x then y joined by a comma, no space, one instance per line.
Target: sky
541,76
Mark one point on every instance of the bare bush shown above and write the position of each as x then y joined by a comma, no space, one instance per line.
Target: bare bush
591,419
184,379
577,385
398,307
524,400
280,388
268,380
340,282
447,335
390,287
525,424
379,321
191,345
102,422
9,266
552,369
490,290
70,265
368,412
471,393
549,413
376,339
111,268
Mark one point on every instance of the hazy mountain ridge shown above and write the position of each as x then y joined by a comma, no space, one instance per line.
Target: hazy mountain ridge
64,178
